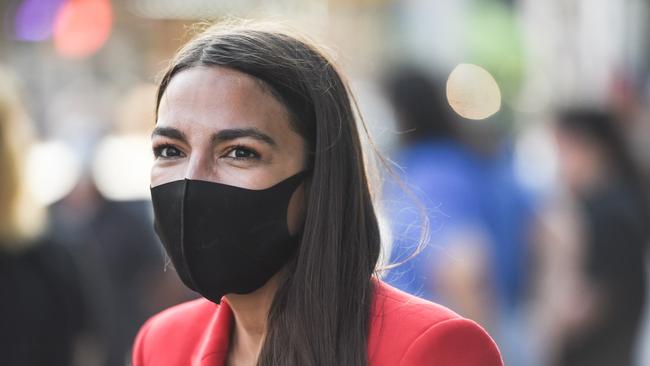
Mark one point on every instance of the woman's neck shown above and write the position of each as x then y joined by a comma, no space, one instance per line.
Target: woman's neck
251,316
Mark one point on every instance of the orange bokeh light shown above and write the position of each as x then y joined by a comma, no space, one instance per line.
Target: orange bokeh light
82,27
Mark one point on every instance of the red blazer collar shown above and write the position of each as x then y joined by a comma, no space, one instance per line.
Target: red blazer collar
212,349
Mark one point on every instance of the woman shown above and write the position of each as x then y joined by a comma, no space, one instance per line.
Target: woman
262,202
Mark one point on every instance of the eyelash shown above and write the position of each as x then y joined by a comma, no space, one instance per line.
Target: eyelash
158,152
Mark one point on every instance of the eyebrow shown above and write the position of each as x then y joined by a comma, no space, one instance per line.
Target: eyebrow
235,133
169,132
219,137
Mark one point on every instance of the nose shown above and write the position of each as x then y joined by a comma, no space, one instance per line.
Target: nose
200,167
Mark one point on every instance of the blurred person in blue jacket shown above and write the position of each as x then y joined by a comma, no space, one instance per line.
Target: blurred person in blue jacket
474,257
441,174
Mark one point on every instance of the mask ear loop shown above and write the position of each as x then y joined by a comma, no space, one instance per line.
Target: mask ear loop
168,261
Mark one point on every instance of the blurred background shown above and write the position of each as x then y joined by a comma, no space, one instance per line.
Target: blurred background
519,130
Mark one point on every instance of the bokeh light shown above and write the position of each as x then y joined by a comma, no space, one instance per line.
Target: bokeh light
35,19
187,9
121,167
53,169
472,92
82,27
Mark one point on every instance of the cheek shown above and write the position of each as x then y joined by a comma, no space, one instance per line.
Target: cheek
161,174
258,178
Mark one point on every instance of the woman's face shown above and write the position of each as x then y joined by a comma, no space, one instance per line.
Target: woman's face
220,125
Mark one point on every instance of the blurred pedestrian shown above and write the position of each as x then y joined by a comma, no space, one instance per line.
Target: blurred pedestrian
445,176
461,179
614,216
41,303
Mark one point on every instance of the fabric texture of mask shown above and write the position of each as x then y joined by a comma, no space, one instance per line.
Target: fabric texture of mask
224,239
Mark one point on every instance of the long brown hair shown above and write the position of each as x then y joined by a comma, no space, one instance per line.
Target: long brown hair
321,312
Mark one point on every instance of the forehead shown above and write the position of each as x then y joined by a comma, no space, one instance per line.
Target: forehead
219,97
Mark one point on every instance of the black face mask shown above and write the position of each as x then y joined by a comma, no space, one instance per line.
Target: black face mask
224,239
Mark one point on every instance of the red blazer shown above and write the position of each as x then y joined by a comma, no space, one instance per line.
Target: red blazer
405,331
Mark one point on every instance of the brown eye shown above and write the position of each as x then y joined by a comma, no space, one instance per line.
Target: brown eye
242,153
166,151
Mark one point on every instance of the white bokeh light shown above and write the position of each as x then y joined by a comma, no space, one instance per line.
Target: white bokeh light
52,171
472,92
121,167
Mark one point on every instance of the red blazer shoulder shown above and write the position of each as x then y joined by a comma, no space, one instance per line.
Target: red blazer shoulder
404,331
183,335
407,330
